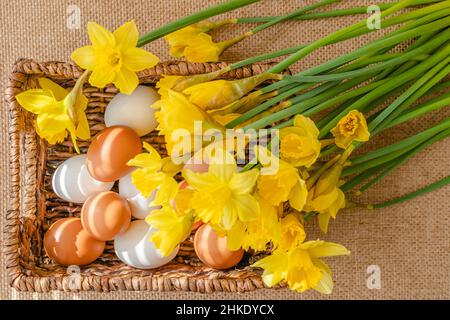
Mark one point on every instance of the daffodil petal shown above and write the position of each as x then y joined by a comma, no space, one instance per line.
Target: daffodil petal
145,160
199,181
35,100
99,35
222,165
100,77
244,182
298,195
230,215
274,266
84,57
324,219
53,123
325,284
247,207
127,35
59,93
137,59
328,249
83,131
126,81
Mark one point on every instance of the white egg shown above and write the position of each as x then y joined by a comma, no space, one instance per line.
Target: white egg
72,182
135,249
65,179
133,110
89,186
126,187
140,206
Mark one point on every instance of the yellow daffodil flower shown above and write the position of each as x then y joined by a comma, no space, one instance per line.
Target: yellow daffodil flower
292,232
219,93
172,228
283,184
299,145
222,195
179,83
325,197
113,57
301,267
175,113
258,233
151,175
58,111
352,127
180,39
202,48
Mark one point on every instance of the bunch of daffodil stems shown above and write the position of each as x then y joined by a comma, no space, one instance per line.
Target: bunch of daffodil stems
308,126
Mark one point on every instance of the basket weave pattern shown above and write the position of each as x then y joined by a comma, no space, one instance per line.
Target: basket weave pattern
33,206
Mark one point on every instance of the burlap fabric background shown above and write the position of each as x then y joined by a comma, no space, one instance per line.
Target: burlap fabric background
409,242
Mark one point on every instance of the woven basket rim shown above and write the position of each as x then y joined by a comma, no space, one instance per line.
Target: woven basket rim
19,279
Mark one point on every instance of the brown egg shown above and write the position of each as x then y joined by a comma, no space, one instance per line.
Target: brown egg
109,152
105,215
212,250
68,243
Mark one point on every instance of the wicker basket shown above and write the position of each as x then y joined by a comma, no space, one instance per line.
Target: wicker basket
33,206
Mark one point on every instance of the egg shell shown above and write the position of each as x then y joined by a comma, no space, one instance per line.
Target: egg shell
126,187
110,151
105,215
213,251
135,249
140,206
133,110
89,186
197,225
65,179
68,243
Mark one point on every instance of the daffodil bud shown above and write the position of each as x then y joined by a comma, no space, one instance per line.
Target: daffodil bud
185,37
179,83
219,93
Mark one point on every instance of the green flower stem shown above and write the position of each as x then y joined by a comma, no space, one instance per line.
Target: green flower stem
431,187
431,105
377,45
383,155
361,167
336,35
384,169
395,108
437,103
267,104
324,98
193,18
363,176
428,89
420,137
437,74
317,15
291,15
329,14
265,56
393,83
417,54
397,162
